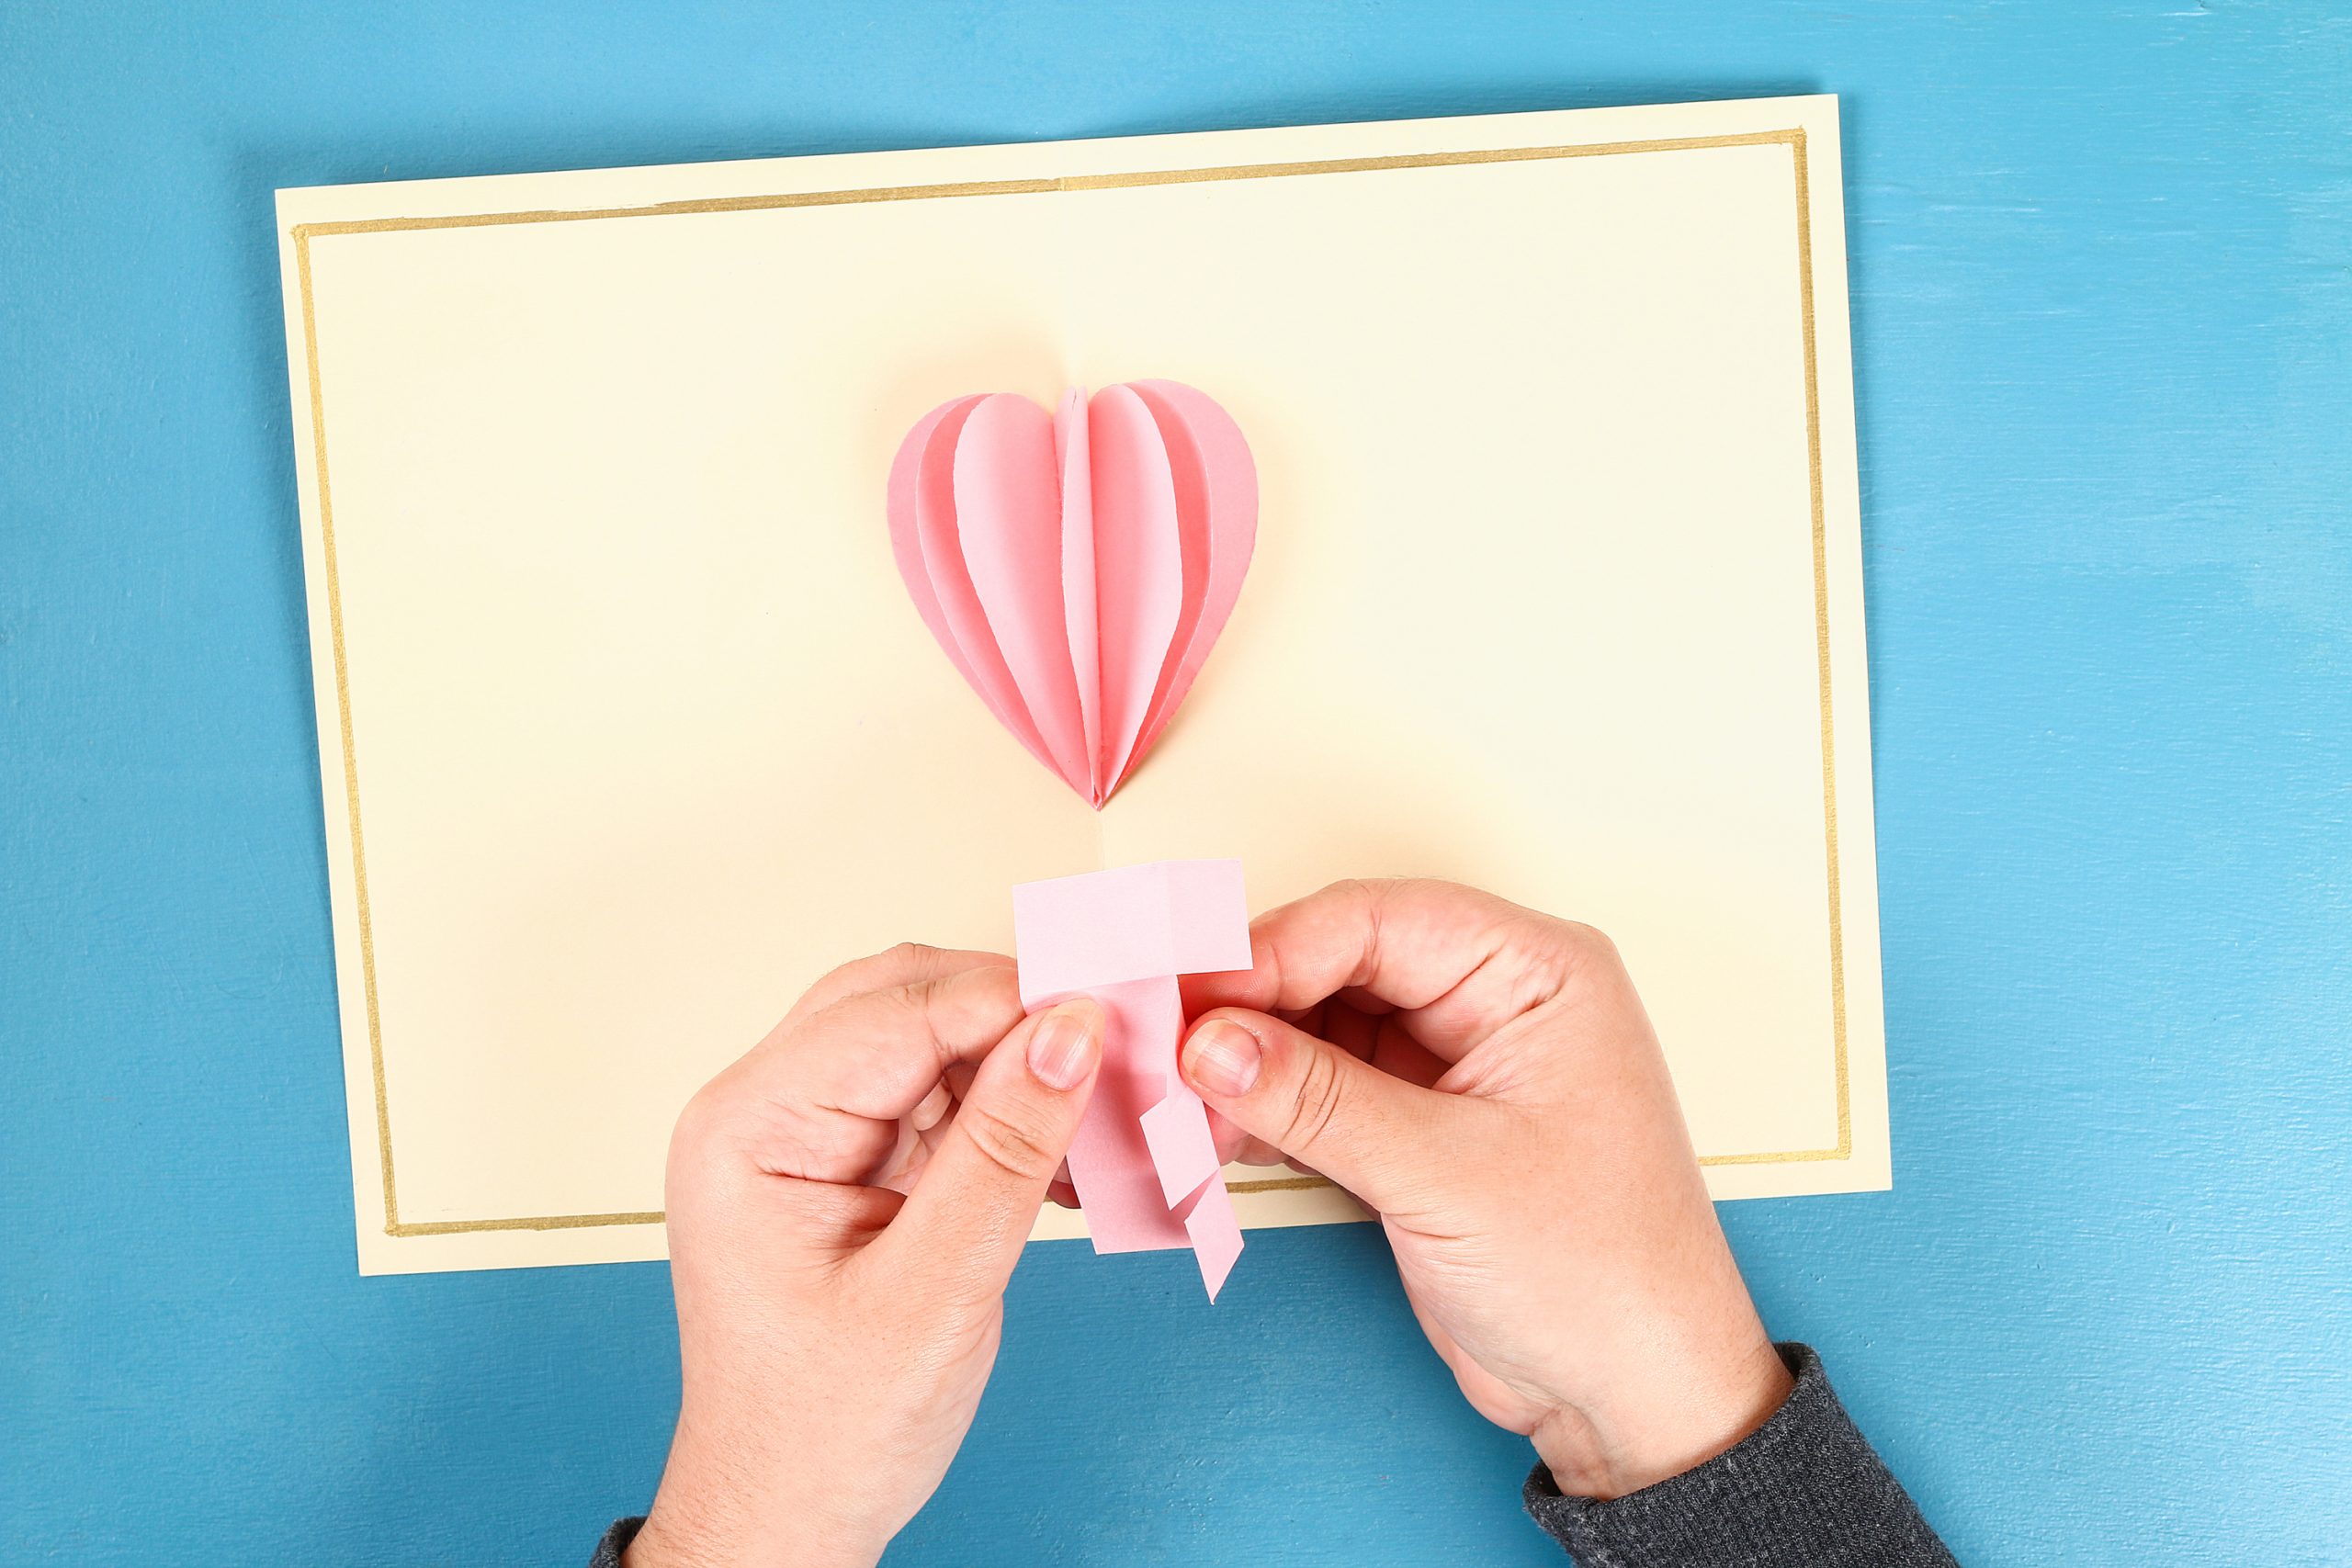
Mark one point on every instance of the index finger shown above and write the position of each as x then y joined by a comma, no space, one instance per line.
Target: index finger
1455,964
909,964
821,1099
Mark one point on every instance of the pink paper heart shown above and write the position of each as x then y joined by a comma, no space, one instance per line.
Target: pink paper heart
1077,567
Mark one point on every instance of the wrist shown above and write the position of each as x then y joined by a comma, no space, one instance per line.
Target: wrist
680,1534
1673,1427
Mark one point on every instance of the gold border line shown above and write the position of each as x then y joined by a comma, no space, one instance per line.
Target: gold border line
1280,1184
788,200
1793,138
350,754
1844,1145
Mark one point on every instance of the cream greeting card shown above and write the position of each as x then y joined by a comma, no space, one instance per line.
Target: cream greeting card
628,727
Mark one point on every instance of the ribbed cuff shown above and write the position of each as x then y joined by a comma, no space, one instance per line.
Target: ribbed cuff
1804,1490
616,1542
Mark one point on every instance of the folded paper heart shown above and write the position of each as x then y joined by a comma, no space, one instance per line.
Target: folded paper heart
1077,567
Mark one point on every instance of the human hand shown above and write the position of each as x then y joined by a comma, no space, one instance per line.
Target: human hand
1483,1077
841,1232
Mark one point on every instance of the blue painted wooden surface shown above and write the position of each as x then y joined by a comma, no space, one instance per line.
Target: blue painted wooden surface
2102,262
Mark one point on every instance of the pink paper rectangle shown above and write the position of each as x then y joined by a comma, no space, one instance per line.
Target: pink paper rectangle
1074,933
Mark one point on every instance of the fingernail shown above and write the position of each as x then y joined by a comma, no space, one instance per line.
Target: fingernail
1066,1043
1222,1058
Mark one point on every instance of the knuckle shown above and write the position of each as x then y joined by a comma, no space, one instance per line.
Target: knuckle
844,976
1019,1146
895,963
957,996
909,1007
1591,963
698,1123
933,1011
702,1139
1590,942
913,1013
1316,1103
1366,895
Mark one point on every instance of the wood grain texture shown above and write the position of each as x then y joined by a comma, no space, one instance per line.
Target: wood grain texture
2102,262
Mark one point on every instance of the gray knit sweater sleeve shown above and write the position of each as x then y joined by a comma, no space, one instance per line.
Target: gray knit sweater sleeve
616,1542
1804,1490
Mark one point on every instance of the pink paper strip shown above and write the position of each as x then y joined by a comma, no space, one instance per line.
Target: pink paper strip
1139,568
1110,1164
1176,1130
1144,1162
1215,1231
922,541
1216,499
1075,453
1008,510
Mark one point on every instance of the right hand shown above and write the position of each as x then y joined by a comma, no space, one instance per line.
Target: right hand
1485,1079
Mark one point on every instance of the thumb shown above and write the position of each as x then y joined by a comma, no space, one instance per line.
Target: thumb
974,1204
1378,1136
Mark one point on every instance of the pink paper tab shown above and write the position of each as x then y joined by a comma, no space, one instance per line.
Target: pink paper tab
1075,933
1176,1130
1144,1162
1215,1232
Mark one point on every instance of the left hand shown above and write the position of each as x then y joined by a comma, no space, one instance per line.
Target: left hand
841,1233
